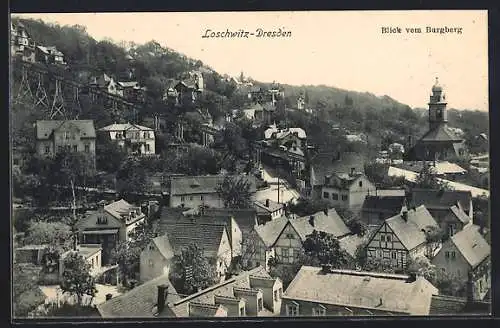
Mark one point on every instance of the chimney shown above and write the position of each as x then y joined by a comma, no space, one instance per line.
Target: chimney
311,220
162,297
109,296
353,169
267,202
326,211
327,180
380,302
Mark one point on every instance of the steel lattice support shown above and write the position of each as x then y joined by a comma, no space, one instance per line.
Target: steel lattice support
41,97
76,101
58,106
24,88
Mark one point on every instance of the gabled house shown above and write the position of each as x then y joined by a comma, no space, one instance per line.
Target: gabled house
250,294
324,164
268,210
109,225
284,237
21,42
376,209
107,84
49,55
55,136
134,138
189,88
347,190
92,253
401,238
245,218
144,301
212,238
326,292
132,90
156,259
438,202
196,191
466,256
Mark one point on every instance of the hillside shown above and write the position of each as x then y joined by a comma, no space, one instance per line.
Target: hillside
382,119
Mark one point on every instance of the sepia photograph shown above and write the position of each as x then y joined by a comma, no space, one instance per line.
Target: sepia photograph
249,164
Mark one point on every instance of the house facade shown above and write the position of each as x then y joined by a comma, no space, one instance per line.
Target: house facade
156,259
134,138
92,253
49,55
53,137
21,43
466,256
269,210
323,291
401,238
347,190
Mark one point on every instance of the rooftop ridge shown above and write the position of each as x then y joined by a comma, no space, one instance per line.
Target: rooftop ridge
224,283
366,273
207,305
245,289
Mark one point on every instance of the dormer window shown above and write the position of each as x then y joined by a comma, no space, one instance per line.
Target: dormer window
319,311
102,220
242,311
292,309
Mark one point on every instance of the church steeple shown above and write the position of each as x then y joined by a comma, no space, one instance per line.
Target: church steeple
437,107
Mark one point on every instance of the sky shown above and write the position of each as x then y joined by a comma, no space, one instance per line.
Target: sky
344,49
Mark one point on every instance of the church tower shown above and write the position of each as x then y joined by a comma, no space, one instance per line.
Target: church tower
437,107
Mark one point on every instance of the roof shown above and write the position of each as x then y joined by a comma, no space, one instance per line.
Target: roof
270,231
460,215
244,280
440,133
330,223
447,305
130,84
245,218
207,236
273,206
350,243
472,245
139,302
89,221
202,310
119,208
44,129
324,164
125,127
440,199
163,245
390,192
206,184
342,180
386,292
391,204
441,167
410,232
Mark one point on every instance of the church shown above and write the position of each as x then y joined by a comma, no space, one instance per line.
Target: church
439,142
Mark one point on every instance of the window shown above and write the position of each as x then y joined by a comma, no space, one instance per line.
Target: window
360,184
260,305
275,295
292,310
388,238
326,195
87,148
344,198
242,311
75,148
453,254
379,253
47,149
182,198
201,197
394,255
92,262
151,264
151,248
190,197
319,311
386,254
66,135
147,147
290,236
382,238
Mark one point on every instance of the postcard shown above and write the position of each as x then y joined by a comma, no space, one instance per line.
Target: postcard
250,164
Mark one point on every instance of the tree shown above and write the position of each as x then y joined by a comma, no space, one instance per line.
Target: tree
26,295
427,180
326,249
357,226
192,271
306,206
109,156
49,233
127,253
131,177
76,278
235,192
